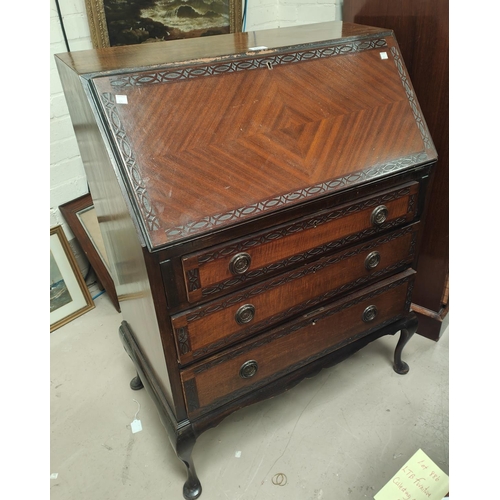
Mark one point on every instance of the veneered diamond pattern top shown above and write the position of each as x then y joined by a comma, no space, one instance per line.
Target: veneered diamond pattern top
216,147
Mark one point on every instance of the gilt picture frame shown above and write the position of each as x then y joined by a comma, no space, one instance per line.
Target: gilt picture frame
82,220
122,22
69,295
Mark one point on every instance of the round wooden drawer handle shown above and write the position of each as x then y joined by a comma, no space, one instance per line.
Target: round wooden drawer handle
372,260
379,215
369,314
245,314
240,263
248,369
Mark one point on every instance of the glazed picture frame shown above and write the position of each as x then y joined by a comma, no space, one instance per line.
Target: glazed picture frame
69,295
82,219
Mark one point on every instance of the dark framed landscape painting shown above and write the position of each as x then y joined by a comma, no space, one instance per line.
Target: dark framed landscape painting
129,22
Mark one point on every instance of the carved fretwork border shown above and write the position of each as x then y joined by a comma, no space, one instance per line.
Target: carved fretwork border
246,64
323,188
310,223
217,220
193,277
183,340
411,98
130,162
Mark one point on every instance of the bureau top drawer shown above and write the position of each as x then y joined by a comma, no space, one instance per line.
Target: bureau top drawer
218,270
235,372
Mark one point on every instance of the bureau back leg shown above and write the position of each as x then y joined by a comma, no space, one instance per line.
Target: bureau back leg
136,383
407,331
184,448
181,434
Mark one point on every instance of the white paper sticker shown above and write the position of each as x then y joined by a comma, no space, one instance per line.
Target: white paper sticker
54,475
121,99
136,426
237,454
383,55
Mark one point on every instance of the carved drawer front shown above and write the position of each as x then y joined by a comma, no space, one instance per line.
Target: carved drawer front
218,270
206,329
259,361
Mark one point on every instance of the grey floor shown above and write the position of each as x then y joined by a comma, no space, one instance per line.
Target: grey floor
340,435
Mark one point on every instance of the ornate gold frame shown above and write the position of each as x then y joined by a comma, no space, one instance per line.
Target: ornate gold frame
81,300
99,29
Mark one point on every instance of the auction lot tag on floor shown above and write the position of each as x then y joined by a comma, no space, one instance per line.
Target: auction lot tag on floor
418,479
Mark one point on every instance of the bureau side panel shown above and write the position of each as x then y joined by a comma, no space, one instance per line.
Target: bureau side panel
119,233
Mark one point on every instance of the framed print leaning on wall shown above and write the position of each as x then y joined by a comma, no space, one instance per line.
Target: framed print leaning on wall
130,22
69,295
82,220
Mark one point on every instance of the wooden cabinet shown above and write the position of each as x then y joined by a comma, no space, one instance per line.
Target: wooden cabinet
422,30
261,198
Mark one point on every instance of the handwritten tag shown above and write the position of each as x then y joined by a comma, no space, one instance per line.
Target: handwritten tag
419,478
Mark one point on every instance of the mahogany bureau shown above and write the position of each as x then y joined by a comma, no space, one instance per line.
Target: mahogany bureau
261,197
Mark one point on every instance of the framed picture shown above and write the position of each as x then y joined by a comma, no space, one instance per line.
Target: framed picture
69,295
129,22
82,219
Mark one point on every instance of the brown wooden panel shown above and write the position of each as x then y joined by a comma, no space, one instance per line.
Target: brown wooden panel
201,331
208,273
422,30
293,345
254,137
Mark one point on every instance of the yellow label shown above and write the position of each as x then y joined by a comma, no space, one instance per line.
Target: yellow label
418,479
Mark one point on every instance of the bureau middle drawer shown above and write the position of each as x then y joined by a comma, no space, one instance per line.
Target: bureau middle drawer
206,329
257,362
211,273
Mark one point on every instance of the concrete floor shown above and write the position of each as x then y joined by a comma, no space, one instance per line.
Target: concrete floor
340,435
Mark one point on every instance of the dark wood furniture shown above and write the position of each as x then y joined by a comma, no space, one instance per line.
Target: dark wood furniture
261,197
74,212
422,30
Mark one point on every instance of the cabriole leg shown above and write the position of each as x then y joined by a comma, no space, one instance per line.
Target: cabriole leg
136,383
406,333
185,445
181,435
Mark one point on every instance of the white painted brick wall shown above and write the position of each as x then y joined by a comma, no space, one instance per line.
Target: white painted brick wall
261,14
266,14
67,176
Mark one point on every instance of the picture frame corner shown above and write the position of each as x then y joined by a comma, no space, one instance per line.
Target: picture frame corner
69,295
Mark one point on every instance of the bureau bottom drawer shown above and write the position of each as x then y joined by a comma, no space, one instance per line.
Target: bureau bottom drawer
253,364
